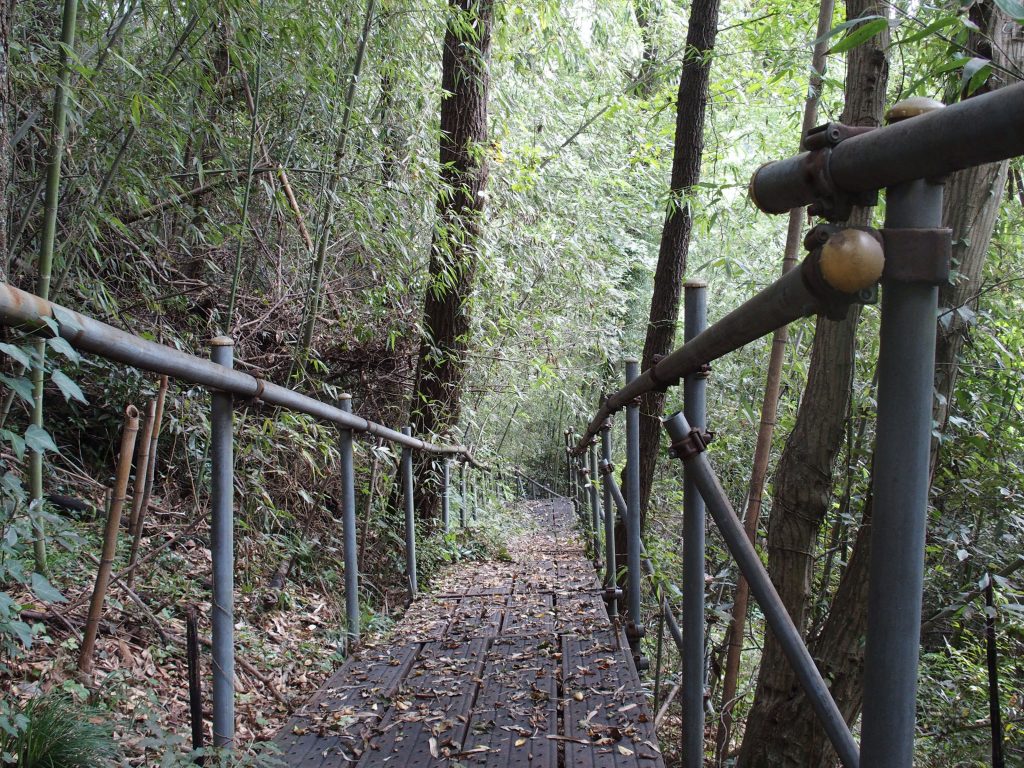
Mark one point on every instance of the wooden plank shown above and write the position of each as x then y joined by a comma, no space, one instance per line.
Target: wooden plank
607,721
429,712
334,724
529,614
580,613
516,708
477,616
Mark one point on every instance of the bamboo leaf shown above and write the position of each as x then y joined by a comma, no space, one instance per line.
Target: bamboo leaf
860,35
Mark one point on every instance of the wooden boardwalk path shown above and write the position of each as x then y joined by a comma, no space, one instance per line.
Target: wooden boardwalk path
507,664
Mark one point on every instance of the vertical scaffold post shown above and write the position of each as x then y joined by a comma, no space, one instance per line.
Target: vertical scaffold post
410,518
688,446
348,527
474,494
906,372
463,497
222,544
634,629
446,477
612,589
595,511
694,406
568,465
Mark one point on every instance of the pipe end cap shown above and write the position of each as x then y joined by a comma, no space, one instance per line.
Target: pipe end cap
222,341
912,107
852,260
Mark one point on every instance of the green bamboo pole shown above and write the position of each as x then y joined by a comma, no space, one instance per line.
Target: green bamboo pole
49,235
253,128
327,221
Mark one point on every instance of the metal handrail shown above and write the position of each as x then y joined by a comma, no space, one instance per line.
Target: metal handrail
27,311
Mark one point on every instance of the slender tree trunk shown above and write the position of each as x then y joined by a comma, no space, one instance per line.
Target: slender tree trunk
691,107
646,17
769,406
326,228
454,253
804,478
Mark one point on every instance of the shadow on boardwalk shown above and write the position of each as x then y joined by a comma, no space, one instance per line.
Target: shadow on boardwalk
507,664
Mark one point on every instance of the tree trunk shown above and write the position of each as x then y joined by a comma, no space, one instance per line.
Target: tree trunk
691,105
646,16
803,484
441,367
971,204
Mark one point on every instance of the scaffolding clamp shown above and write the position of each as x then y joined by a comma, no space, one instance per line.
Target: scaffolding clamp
696,441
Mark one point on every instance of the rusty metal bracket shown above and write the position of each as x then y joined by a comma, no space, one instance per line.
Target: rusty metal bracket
831,202
635,631
611,594
695,442
918,255
606,469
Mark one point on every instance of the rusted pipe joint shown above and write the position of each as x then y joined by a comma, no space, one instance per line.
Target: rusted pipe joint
695,442
635,631
611,594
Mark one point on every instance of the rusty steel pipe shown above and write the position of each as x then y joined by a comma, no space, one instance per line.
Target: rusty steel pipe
787,299
28,312
979,130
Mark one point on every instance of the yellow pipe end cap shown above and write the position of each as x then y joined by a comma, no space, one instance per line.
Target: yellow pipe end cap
852,260
912,107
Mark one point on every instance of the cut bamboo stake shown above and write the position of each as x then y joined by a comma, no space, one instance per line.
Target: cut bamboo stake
141,466
374,469
124,466
150,476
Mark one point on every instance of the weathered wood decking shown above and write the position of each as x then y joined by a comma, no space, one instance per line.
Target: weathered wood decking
508,664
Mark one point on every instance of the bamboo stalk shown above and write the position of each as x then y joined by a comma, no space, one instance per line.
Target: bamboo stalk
149,477
49,235
327,221
99,593
142,466
251,165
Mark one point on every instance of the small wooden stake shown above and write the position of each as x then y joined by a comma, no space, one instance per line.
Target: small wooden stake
124,466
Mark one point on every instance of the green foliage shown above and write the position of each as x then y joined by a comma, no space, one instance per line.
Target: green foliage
57,732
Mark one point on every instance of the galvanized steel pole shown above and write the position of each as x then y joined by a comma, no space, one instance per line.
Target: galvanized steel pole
595,513
410,518
348,527
609,523
764,592
464,498
695,407
906,371
445,494
634,631
222,489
